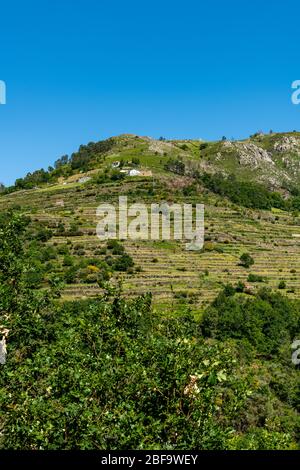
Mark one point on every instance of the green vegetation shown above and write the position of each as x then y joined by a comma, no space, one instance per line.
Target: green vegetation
282,285
112,374
246,260
94,361
255,278
244,193
267,322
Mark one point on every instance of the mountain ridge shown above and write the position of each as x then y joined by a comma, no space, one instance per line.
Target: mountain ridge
271,159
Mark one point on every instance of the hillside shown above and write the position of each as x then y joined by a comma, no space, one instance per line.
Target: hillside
67,206
201,338
273,159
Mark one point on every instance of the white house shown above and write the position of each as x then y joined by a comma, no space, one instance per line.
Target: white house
134,172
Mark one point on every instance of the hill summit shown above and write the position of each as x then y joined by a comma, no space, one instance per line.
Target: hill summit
271,159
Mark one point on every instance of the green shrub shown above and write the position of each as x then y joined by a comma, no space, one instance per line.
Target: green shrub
266,321
246,260
123,263
255,278
68,260
282,285
111,373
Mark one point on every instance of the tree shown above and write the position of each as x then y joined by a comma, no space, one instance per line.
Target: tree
123,263
21,306
61,161
266,321
246,260
282,284
176,166
113,371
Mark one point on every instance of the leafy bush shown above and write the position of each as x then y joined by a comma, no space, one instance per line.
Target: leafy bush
176,166
266,321
116,247
68,260
44,235
255,278
246,260
245,193
123,263
110,373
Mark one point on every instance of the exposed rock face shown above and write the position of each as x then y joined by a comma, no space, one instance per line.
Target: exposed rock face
273,179
160,147
291,165
227,144
287,144
274,161
252,155
289,147
248,154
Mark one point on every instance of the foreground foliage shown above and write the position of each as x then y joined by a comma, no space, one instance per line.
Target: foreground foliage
111,374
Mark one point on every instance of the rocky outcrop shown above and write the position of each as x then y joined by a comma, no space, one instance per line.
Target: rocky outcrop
252,155
160,147
287,144
248,154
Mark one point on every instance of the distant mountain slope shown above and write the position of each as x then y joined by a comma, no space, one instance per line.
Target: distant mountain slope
273,159
241,215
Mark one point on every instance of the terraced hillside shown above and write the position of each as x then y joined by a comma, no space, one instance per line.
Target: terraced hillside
66,207
209,354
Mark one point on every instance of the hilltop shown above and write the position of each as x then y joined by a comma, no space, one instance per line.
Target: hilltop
271,159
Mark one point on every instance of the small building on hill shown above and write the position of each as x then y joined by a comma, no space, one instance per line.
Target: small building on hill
134,172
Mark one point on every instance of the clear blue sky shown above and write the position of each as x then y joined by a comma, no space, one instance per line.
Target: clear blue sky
84,70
